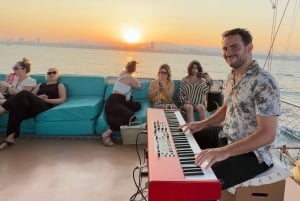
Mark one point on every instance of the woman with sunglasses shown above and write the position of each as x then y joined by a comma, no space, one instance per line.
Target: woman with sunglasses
27,104
193,90
18,80
161,90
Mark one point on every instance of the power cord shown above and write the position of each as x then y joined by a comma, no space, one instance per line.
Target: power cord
140,189
136,145
139,172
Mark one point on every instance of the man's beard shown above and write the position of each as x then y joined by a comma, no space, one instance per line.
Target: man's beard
237,64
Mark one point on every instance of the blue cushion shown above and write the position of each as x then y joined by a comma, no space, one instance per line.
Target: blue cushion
66,128
40,78
84,85
27,126
108,90
141,94
2,77
76,108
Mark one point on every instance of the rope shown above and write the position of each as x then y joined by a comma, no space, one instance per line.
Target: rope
292,26
275,33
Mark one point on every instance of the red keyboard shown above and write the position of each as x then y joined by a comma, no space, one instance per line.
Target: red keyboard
173,175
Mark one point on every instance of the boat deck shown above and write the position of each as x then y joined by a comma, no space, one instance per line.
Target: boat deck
71,169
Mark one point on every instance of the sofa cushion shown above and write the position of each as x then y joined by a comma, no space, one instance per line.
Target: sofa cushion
40,78
141,94
27,126
2,77
84,85
108,90
75,108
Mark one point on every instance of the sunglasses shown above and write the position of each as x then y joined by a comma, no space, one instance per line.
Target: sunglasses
163,72
15,68
51,73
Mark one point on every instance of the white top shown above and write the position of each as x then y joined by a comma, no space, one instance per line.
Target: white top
122,88
28,82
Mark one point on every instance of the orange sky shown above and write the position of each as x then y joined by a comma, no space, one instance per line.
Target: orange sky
191,22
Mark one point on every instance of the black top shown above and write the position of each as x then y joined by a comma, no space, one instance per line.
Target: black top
51,90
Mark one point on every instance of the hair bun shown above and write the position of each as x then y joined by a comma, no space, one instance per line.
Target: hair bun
133,62
25,60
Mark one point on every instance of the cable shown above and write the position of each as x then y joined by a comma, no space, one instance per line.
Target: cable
140,190
136,145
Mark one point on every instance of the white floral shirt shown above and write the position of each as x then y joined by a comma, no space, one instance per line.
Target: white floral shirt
256,94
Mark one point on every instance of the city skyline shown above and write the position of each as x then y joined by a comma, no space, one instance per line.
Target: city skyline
189,23
162,47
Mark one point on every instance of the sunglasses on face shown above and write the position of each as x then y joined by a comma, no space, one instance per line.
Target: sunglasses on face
51,73
15,68
163,72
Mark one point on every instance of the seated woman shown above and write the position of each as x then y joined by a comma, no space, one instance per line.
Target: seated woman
193,91
161,90
119,109
27,104
20,81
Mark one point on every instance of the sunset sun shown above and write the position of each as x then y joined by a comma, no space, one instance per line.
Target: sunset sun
131,35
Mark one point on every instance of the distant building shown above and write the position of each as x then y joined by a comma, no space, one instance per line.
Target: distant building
21,40
152,45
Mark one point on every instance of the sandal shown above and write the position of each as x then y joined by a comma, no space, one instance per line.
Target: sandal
5,144
107,141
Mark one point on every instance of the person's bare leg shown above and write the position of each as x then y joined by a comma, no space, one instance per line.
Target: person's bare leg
201,112
9,140
189,112
106,139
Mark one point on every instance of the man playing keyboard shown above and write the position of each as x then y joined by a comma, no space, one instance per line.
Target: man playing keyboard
240,149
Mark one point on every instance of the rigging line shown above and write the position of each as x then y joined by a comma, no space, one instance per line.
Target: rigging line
292,26
274,7
272,43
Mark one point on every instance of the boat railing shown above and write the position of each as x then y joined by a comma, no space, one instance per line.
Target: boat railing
287,142
289,120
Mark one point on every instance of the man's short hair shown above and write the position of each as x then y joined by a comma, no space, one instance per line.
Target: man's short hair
244,33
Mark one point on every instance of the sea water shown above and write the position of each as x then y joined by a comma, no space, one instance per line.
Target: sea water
111,62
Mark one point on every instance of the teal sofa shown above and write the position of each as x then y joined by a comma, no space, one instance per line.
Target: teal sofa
76,116
83,113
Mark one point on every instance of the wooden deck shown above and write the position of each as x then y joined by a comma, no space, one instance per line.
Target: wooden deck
70,169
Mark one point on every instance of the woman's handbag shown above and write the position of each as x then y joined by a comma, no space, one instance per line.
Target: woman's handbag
133,132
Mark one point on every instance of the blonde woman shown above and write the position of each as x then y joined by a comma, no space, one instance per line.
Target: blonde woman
161,90
21,80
